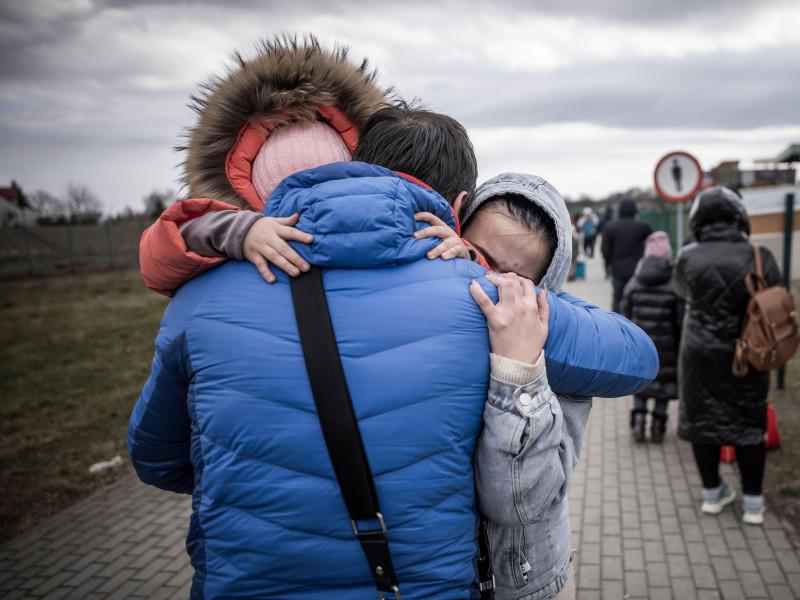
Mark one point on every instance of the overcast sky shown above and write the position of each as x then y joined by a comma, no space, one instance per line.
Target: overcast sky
587,93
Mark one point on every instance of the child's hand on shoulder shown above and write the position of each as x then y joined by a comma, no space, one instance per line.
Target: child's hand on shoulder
265,243
518,323
451,247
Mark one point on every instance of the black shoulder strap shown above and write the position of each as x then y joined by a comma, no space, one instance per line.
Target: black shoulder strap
486,581
339,425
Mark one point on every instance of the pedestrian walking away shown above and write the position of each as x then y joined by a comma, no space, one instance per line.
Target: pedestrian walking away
716,407
623,246
608,216
650,301
587,226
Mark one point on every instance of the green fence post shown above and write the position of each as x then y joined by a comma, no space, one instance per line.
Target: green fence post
788,234
70,248
110,245
26,236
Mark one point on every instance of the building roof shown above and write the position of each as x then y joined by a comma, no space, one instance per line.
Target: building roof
791,154
10,193
14,193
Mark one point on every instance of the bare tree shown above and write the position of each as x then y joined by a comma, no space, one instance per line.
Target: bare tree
81,200
46,204
157,201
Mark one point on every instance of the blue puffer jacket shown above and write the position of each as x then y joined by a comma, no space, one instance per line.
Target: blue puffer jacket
228,416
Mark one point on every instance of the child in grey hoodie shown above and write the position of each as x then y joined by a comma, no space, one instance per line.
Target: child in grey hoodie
531,438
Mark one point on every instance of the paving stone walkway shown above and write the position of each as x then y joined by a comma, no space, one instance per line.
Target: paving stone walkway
635,514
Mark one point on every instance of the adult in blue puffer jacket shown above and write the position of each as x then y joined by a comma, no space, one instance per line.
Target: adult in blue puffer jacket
228,415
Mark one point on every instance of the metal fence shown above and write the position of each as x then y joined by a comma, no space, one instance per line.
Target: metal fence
44,250
666,219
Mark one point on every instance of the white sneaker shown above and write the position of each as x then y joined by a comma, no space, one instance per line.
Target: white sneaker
753,518
714,506
753,509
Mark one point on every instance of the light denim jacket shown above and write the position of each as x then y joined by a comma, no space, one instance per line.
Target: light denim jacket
524,461
531,439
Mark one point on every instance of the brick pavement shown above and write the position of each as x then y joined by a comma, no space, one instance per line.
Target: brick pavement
639,531
635,514
125,541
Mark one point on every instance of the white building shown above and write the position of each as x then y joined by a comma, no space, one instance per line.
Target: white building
766,207
12,213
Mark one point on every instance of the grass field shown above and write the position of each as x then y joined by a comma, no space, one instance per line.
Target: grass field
75,352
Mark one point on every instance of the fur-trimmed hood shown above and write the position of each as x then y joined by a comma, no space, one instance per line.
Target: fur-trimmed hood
288,80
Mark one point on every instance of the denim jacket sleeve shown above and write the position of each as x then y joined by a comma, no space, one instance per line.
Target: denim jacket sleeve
520,465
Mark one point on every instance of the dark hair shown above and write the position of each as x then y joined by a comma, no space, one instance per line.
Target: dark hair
433,148
529,215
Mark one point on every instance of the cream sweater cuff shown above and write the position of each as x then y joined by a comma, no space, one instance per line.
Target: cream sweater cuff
514,372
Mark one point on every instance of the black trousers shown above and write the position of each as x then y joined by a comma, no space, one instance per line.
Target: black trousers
619,286
588,245
751,461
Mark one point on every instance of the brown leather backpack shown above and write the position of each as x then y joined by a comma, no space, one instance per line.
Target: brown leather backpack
771,331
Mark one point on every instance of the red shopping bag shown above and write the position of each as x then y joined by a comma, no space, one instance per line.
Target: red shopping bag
772,438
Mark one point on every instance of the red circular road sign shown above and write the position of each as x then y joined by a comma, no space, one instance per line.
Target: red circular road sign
678,176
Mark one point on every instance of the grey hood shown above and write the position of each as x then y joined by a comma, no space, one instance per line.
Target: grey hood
543,194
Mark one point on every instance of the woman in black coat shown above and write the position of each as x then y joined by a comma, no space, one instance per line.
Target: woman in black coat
650,301
716,407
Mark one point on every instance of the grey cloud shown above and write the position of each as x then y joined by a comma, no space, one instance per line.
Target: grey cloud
721,90
649,11
77,95
646,11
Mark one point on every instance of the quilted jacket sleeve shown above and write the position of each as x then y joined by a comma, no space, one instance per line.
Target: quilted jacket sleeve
165,261
680,311
626,305
594,352
591,351
679,277
159,431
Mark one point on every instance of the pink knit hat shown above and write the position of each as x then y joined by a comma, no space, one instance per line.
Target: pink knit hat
657,244
295,147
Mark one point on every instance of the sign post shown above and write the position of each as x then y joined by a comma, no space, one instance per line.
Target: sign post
677,178
788,234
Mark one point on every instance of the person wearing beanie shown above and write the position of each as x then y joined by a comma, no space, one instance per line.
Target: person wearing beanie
241,235
650,301
294,105
296,147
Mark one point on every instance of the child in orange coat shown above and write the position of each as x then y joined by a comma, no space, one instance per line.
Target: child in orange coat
294,106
